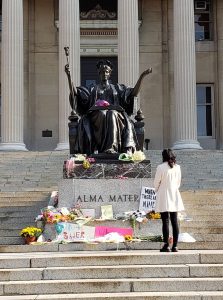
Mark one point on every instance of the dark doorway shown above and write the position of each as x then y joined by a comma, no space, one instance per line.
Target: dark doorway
89,73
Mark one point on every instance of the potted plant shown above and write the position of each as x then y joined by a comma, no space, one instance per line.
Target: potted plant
30,234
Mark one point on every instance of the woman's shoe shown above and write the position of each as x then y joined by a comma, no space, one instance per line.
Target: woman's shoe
174,249
165,248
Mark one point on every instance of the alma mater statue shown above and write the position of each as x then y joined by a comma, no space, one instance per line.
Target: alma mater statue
104,109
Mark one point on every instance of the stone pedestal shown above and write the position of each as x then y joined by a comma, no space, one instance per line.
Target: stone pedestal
122,194
98,186
115,169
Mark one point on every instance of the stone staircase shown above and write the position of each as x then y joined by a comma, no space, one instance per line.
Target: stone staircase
31,171
41,171
108,271
201,170
26,181
110,275
27,178
18,210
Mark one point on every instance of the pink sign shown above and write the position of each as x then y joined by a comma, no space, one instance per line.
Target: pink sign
103,230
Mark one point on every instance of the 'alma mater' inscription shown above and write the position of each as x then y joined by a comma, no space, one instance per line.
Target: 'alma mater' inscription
109,198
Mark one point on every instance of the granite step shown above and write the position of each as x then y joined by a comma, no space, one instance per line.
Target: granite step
112,272
12,240
54,247
217,223
23,209
106,272
104,258
111,285
199,295
122,274
209,217
208,237
201,230
6,220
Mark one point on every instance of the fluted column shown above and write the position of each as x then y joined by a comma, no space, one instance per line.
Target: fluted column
128,42
219,132
12,110
185,76
69,35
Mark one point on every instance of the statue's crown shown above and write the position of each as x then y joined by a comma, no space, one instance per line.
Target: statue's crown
104,64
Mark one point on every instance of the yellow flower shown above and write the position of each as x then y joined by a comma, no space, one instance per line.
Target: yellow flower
138,156
153,215
128,237
86,164
31,231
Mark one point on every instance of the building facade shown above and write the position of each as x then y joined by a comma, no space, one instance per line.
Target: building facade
182,40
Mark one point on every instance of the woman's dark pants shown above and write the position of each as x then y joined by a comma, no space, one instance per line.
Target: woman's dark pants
165,219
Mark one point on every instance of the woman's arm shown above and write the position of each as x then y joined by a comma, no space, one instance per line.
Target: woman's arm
179,177
137,87
157,179
73,89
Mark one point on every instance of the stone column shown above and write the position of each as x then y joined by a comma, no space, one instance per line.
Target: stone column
69,35
12,82
185,76
219,132
128,42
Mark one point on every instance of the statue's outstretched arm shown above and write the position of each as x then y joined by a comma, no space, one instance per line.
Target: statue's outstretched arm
137,87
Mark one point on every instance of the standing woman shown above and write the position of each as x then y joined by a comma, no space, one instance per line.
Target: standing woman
168,200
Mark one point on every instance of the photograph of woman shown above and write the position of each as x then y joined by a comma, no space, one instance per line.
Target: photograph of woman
168,200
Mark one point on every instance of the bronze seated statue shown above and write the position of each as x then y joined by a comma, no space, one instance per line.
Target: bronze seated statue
104,111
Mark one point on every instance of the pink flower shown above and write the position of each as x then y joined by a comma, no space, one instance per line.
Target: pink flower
121,177
102,103
91,159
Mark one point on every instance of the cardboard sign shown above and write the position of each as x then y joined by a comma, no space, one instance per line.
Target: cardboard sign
147,199
73,233
106,212
88,212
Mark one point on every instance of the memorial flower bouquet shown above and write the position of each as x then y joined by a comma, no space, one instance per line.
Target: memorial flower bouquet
87,162
31,231
138,156
128,238
153,215
136,217
30,234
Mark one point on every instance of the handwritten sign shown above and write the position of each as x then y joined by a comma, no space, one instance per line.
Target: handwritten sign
73,233
147,199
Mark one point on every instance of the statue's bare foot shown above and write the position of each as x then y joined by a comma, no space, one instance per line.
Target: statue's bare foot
129,150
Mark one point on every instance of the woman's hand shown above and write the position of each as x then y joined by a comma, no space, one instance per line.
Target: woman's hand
137,87
67,69
146,72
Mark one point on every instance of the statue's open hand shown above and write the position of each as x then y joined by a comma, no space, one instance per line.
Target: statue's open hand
146,72
67,69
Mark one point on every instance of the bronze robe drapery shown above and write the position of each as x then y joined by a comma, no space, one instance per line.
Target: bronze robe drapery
105,129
